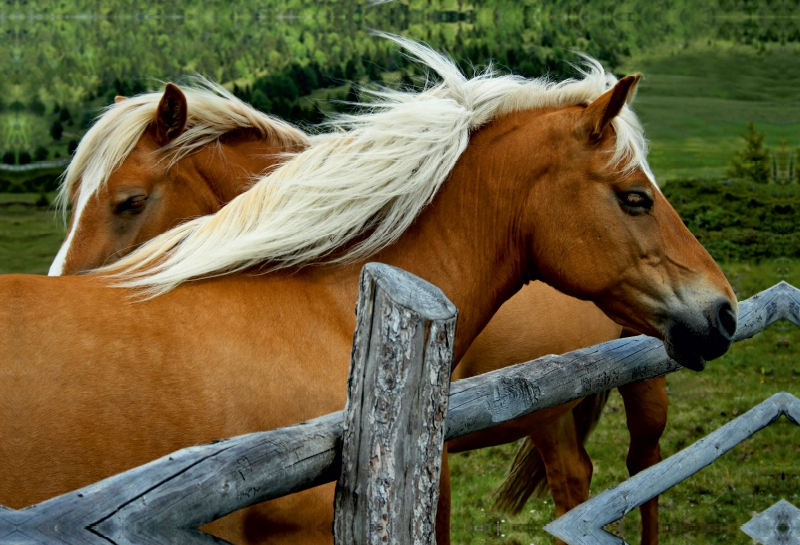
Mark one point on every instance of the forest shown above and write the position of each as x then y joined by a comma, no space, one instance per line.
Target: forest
60,63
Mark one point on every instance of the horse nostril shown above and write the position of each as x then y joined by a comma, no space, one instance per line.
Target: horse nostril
726,319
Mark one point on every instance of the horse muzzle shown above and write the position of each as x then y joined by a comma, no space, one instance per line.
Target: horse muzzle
692,338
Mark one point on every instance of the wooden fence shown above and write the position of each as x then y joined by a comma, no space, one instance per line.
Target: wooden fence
404,324
584,524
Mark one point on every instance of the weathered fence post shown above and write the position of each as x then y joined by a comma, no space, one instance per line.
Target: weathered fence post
395,413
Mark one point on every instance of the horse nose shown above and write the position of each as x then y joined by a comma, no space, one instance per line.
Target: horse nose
694,338
726,319
721,328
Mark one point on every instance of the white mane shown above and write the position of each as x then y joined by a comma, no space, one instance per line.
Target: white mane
370,179
213,111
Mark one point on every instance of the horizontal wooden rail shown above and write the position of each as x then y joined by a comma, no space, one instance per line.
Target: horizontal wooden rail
169,497
486,400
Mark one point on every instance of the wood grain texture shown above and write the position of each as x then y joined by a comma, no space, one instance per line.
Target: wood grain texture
394,418
583,525
780,302
778,525
194,486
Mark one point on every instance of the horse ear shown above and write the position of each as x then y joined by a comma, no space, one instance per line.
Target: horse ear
171,115
599,113
119,98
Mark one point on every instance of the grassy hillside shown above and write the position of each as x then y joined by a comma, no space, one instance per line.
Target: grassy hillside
64,61
29,235
694,102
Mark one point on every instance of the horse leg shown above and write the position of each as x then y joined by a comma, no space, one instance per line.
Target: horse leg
646,406
568,466
443,507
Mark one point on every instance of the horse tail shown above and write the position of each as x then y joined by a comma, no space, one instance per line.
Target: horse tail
587,414
527,476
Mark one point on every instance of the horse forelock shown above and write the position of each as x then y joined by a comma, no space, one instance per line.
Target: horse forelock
370,177
212,112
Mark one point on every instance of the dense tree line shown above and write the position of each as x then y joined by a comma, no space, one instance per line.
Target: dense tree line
61,62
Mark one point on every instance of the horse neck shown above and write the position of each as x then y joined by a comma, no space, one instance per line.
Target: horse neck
231,167
470,241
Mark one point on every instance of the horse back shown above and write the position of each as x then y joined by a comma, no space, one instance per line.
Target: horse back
93,382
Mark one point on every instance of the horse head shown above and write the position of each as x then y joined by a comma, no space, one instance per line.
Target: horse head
605,232
172,164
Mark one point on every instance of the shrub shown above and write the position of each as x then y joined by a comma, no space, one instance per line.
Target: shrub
739,219
752,162
42,201
56,130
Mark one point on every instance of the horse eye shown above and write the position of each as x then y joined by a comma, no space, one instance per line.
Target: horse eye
635,202
133,205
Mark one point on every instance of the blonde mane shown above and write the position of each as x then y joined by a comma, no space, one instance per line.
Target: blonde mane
213,112
369,179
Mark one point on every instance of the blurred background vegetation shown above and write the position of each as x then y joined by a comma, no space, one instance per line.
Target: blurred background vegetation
720,102
63,61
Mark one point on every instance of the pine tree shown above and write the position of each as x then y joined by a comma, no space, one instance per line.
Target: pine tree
752,162
794,167
782,163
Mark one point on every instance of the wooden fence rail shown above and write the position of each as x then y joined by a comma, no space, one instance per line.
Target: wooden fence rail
166,500
583,525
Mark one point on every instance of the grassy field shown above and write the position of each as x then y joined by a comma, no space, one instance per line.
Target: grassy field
694,103
29,235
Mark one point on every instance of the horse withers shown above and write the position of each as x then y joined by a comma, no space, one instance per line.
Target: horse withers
196,158
476,185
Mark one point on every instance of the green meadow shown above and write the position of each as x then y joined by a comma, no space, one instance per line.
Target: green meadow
694,102
29,235
709,507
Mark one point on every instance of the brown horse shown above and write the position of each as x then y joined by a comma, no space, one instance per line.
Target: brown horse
478,186
128,209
